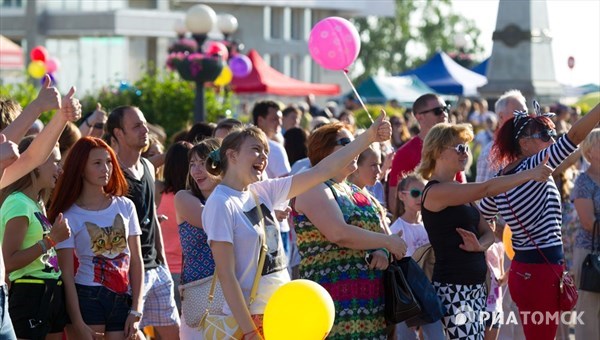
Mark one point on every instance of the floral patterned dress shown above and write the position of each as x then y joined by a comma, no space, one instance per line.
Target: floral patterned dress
357,291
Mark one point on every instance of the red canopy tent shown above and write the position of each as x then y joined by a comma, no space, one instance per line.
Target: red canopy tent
11,54
265,79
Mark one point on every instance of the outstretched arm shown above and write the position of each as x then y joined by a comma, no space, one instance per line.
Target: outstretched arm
42,145
447,194
379,131
48,99
584,125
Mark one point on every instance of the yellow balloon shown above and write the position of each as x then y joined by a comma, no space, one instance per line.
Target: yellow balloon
36,69
224,77
507,241
300,309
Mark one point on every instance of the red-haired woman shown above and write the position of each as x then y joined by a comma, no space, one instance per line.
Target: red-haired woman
533,212
105,294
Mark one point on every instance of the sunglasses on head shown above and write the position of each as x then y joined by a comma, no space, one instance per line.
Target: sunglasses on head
544,135
438,111
414,193
460,148
343,141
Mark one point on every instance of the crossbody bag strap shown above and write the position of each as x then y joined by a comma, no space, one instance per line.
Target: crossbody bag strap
595,236
261,260
263,249
529,236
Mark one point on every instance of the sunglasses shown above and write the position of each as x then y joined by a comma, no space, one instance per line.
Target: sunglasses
438,111
460,148
545,135
414,193
343,141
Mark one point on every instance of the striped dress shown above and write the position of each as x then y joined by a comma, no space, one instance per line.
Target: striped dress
357,291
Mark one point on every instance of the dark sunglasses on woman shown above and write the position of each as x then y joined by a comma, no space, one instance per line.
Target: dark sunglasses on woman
460,148
544,135
343,141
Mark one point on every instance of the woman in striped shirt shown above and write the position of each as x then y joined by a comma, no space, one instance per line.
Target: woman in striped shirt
533,213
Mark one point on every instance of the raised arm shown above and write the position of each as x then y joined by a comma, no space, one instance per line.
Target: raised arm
99,116
320,206
188,208
42,145
584,125
379,131
446,194
47,99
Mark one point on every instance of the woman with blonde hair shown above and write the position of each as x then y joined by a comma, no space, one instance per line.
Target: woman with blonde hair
457,232
586,196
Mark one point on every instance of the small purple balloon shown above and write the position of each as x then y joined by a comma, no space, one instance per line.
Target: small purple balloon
240,65
52,79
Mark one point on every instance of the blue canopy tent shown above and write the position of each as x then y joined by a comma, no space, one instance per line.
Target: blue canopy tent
481,68
445,76
404,89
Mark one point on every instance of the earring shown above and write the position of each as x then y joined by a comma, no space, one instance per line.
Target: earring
213,165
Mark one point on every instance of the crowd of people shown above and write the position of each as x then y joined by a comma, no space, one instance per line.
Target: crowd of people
100,225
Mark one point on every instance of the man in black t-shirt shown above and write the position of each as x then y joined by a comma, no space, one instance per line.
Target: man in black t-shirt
128,126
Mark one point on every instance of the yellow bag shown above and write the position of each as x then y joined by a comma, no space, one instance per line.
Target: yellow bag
225,327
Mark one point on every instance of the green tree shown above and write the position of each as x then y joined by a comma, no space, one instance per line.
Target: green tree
417,30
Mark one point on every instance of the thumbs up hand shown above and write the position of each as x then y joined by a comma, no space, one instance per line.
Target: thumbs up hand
541,172
71,108
381,129
48,98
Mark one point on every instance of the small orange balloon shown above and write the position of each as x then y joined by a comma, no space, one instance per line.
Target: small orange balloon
507,241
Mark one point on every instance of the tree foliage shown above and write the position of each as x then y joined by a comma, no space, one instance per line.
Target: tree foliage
417,30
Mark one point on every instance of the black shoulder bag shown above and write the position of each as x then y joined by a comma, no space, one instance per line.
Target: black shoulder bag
590,269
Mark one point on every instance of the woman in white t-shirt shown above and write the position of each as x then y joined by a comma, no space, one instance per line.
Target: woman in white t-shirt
232,223
105,295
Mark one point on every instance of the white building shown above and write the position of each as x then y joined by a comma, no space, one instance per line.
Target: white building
102,42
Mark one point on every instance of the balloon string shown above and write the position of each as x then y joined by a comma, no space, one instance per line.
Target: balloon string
357,95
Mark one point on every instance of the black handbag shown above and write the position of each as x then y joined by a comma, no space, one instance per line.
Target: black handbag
590,269
400,303
431,307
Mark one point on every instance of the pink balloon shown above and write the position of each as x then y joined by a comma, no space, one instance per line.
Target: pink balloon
240,65
52,65
215,47
334,43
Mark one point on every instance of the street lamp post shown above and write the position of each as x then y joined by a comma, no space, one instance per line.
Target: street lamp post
201,64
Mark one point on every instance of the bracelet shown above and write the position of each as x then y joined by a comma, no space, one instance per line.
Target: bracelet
43,245
50,240
87,123
136,313
387,252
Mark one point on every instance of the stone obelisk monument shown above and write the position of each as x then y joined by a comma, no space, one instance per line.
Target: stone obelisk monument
522,53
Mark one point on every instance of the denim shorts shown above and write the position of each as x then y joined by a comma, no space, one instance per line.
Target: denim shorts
101,306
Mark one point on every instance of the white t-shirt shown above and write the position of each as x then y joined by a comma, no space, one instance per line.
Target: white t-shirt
100,242
278,164
414,235
492,256
231,216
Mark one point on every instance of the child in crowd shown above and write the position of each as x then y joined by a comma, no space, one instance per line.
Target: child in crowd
409,225
494,257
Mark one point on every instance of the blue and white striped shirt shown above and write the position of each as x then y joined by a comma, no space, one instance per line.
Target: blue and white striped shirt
536,204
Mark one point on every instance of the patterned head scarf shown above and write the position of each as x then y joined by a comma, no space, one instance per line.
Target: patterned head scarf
522,118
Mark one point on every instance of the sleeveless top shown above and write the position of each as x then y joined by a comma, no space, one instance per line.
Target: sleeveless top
198,261
141,192
357,291
453,265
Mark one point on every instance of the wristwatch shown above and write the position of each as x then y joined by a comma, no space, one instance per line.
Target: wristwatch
136,314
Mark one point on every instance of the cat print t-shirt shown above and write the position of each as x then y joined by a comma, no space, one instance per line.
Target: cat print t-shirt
414,234
232,216
100,242
16,205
